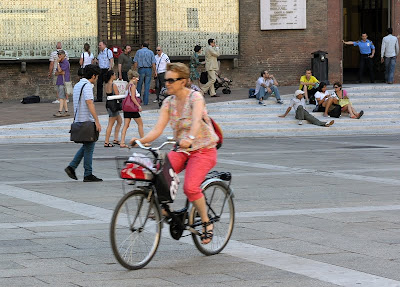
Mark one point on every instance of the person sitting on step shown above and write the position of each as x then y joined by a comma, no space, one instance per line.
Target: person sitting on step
298,103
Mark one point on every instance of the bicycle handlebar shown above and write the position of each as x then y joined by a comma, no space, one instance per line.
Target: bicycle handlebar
154,148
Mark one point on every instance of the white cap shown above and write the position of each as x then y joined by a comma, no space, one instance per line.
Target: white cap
298,92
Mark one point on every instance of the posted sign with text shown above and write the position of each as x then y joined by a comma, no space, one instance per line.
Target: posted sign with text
283,14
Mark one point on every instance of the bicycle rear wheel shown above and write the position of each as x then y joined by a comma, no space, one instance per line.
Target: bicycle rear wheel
221,211
135,230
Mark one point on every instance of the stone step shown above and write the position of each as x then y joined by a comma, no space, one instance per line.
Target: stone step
245,118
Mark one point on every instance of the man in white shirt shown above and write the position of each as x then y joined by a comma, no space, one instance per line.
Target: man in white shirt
389,51
85,110
162,60
298,103
53,66
266,85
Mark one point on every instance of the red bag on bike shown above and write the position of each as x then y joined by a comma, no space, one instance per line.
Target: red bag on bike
167,182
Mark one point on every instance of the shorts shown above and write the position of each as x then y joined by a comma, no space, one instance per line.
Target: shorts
131,115
61,92
112,114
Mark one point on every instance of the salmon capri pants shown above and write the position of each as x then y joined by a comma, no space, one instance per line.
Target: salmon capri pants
197,164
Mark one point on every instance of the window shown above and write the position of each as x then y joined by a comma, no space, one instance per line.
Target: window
125,22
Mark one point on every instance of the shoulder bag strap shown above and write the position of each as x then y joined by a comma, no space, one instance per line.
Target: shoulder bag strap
159,62
79,102
83,56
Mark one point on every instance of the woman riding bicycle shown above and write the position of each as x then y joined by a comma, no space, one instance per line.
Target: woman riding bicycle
186,112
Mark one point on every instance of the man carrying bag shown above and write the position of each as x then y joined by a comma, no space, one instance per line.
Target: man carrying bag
85,114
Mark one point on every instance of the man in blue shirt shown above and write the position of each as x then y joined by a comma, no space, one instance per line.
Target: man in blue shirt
367,51
105,60
144,61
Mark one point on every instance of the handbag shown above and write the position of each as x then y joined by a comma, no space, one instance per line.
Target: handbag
204,78
166,182
82,132
114,105
81,68
128,105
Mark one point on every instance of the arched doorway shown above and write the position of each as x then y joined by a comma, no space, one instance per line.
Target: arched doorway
371,17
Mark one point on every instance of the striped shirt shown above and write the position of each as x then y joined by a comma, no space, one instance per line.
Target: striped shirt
144,58
83,114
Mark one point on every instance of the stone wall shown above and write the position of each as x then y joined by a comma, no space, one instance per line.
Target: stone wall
15,85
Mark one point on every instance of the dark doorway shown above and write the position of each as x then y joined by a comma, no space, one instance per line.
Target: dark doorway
371,17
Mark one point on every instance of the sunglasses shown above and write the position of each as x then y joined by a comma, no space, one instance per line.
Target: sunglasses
335,87
158,50
171,81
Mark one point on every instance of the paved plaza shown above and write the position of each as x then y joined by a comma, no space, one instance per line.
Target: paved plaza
310,211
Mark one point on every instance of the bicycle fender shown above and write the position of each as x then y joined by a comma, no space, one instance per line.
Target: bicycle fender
207,182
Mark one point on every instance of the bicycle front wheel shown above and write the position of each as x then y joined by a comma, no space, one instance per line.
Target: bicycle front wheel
135,230
221,212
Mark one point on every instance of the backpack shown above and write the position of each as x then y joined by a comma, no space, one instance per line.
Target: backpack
335,112
31,100
204,78
215,126
252,93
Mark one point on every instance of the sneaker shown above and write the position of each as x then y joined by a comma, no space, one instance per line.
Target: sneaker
66,114
280,102
55,102
262,103
155,101
300,123
58,114
91,178
67,101
70,172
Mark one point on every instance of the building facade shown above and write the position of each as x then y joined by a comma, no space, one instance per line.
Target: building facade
254,35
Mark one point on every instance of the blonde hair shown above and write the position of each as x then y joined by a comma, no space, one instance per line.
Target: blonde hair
132,74
181,69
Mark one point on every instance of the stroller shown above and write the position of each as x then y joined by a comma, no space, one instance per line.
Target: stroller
224,83
163,95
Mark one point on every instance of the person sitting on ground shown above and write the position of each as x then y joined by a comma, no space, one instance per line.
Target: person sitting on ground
344,101
325,101
265,86
309,85
113,116
298,103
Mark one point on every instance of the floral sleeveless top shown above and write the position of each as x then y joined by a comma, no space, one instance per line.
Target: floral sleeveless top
206,137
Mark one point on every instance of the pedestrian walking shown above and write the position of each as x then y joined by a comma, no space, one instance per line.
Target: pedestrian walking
124,63
367,52
113,112
193,65
162,60
52,67
211,54
389,52
85,111
105,61
144,61
64,85
133,77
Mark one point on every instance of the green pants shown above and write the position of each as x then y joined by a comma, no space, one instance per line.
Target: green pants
302,114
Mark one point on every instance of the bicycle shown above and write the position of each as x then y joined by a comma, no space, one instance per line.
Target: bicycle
137,220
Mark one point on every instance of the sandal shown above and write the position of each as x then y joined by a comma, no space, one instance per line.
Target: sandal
123,145
353,117
360,114
108,145
207,234
116,142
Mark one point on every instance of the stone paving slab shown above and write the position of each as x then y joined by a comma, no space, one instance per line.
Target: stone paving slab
292,206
